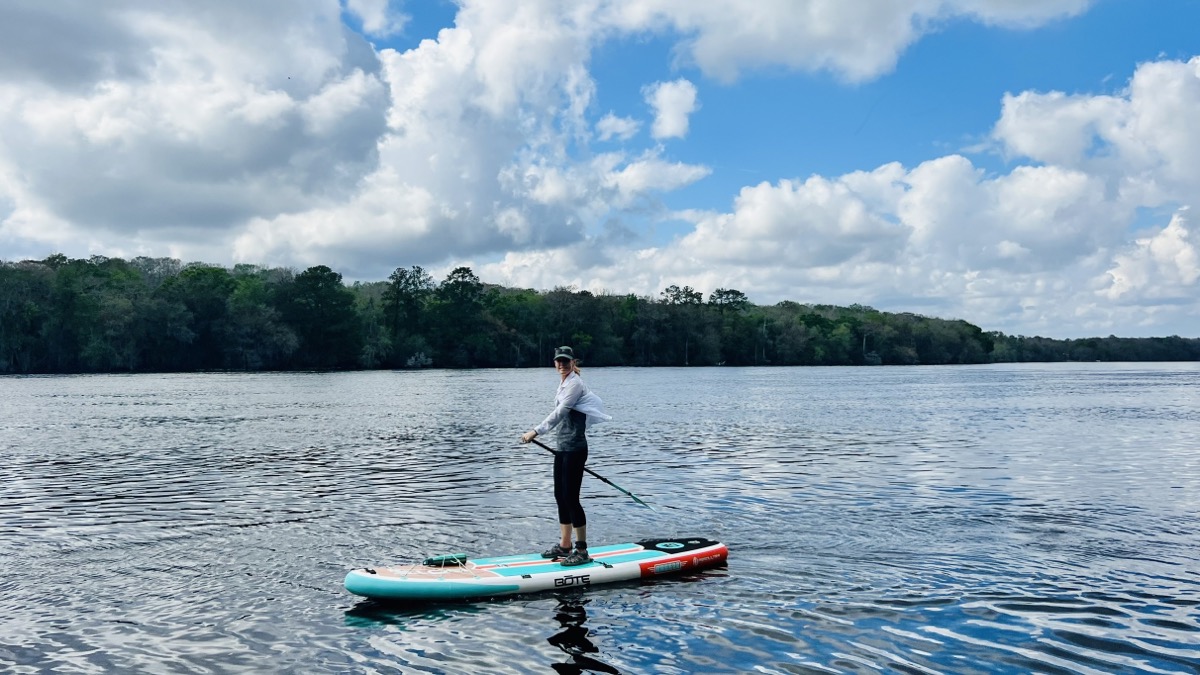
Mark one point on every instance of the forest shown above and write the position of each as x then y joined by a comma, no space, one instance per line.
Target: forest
105,315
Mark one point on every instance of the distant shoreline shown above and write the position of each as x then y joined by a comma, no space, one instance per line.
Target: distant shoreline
158,315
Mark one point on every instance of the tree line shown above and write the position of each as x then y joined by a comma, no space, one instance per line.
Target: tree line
62,315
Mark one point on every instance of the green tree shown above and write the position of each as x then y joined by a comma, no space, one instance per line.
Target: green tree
72,313
791,341
728,300
255,336
457,313
569,315
320,310
25,291
154,271
403,308
119,292
647,334
204,291
164,334
683,309
523,314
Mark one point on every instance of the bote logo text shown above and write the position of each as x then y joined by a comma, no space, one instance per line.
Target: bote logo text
577,580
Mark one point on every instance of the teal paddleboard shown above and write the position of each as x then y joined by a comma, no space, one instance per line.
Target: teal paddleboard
458,576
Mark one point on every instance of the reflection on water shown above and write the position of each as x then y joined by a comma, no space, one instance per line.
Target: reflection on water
932,520
573,639
566,623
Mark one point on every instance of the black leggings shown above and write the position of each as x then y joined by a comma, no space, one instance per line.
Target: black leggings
568,479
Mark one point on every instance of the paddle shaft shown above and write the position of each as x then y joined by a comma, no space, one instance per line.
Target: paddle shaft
633,496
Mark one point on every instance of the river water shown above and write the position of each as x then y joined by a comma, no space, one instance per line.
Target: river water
992,519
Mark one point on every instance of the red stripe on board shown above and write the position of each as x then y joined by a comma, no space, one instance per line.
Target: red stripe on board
684,562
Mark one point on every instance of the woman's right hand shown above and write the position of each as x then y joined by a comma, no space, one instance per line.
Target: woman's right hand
528,436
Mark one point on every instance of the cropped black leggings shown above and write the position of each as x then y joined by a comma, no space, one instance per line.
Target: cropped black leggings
568,479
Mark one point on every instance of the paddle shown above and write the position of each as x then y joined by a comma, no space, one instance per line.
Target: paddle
635,497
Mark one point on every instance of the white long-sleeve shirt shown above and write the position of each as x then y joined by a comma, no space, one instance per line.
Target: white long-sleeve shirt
572,394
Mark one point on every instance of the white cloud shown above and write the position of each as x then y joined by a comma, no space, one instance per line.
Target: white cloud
651,174
480,127
1142,140
1034,218
810,224
673,103
138,126
377,16
612,127
1164,266
192,120
387,215
338,100
857,40
524,52
1056,128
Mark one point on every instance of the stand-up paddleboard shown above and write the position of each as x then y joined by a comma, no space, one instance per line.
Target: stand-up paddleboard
457,576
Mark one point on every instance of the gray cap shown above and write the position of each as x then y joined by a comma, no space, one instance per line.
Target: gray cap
564,352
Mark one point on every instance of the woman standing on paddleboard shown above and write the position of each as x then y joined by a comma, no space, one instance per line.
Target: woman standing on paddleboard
574,408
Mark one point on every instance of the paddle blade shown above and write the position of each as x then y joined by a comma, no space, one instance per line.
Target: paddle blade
643,503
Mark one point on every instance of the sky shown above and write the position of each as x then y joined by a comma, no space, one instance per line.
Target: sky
1029,166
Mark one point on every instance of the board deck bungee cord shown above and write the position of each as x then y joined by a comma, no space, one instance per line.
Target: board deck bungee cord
456,576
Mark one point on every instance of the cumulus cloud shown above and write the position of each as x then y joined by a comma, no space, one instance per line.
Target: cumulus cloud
814,223
43,45
378,17
673,103
214,125
856,40
477,151
650,174
1056,128
946,212
1034,218
1141,140
620,128
1162,267
140,120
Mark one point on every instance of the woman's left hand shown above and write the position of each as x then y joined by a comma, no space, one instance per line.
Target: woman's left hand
528,436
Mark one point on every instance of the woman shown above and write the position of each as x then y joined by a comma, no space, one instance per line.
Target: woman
574,408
